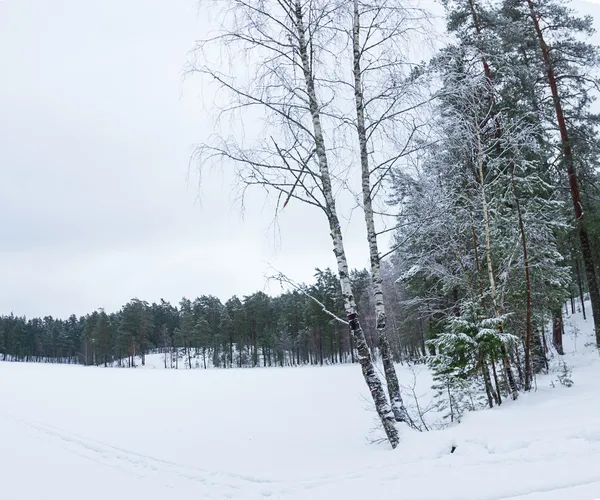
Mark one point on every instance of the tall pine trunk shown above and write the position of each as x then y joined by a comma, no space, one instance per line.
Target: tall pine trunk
528,365
580,287
230,349
586,247
364,354
557,330
188,346
391,377
143,345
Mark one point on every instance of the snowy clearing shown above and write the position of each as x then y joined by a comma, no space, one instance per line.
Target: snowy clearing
292,433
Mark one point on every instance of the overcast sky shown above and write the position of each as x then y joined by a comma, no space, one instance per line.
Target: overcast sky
96,130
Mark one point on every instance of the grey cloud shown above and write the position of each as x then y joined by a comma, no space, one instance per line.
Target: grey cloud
96,130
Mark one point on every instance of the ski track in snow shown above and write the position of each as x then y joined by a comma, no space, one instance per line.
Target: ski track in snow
110,456
309,444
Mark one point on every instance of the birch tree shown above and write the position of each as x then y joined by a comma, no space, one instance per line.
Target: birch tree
380,31
289,46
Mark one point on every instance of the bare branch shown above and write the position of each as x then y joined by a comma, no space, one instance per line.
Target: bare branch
303,289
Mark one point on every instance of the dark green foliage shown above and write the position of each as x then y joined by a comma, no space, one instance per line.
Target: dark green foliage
260,330
41,340
470,344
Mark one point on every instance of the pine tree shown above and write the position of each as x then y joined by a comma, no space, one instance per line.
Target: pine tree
89,335
104,337
136,324
2,345
546,33
187,327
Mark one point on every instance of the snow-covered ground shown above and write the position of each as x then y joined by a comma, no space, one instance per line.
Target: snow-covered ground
69,432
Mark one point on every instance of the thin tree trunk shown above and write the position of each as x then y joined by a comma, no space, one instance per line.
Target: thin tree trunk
557,330
340,346
544,341
486,220
488,75
320,337
450,403
512,384
545,350
475,17
364,354
490,268
489,390
519,366
498,396
422,337
580,287
528,365
393,385
254,346
188,346
143,340
586,248
331,348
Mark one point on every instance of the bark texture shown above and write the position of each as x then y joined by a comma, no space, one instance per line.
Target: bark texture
557,330
528,366
364,354
489,390
391,377
580,288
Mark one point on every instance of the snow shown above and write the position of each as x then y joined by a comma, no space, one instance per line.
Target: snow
408,274
71,432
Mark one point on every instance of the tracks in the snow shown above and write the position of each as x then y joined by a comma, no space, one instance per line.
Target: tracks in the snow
227,485
212,484
223,485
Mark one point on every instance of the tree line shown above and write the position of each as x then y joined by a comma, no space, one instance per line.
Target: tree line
291,329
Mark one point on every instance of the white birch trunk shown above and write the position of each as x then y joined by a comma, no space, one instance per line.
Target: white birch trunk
486,222
393,386
488,252
364,354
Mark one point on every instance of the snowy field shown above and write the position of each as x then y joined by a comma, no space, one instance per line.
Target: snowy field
69,432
